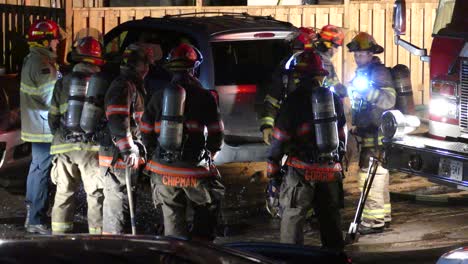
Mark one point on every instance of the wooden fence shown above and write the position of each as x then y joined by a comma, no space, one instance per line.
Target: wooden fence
42,3
374,17
14,23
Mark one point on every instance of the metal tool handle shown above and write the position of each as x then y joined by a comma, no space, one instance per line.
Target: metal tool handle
354,226
128,182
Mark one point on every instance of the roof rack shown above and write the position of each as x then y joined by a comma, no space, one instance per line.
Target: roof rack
243,14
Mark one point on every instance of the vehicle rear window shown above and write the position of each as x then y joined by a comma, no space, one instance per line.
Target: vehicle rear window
247,62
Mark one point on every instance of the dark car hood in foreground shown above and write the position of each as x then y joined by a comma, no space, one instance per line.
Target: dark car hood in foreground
117,249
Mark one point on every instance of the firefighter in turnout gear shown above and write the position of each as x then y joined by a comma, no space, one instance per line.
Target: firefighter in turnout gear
181,169
309,128
329,40
124,104
371,93
76,157
38,77
282,82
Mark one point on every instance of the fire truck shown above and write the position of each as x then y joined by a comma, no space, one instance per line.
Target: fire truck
442,154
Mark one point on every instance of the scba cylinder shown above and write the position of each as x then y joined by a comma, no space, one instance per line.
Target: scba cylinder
402,81
93,109
325,121
76,98
172,123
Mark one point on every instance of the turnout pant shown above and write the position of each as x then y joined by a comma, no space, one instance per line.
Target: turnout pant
116,212
377,209
297,196
68,170
204,198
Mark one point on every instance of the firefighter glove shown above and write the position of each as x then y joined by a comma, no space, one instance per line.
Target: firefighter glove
132,157
267,135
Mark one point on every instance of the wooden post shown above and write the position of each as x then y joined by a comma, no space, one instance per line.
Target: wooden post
346,57
199,3
68,27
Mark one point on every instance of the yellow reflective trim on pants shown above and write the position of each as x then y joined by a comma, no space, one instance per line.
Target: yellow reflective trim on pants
373,214
62,227
387,208
370,141
267,121
29,137
273,101
62,148
95,230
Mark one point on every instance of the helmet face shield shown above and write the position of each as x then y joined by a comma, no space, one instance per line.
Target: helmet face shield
88,49
364,42
184,57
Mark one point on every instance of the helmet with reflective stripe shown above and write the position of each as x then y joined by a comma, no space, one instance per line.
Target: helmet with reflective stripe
364,42
184,57
306,63
88,49
332,34
43,30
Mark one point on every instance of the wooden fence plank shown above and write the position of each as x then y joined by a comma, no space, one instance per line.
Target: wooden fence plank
323,17
157,12
2,44
139,14
282,14
111,19
417,35
7,43
336,18
371,16
95,19
127,15
295,16
378,24
389,39
79,21
308,17
429,14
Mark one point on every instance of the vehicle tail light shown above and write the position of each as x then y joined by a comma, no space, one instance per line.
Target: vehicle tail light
264,35
443,106
444,88
237,89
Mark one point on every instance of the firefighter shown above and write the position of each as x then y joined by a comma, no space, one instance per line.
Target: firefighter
38,77
76,153
371,93
122,147
308,129
181,169
329,40
282,82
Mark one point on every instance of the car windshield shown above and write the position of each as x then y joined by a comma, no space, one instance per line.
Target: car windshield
451,19
247,62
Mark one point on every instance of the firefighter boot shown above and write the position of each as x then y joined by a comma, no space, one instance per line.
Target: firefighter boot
364,230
